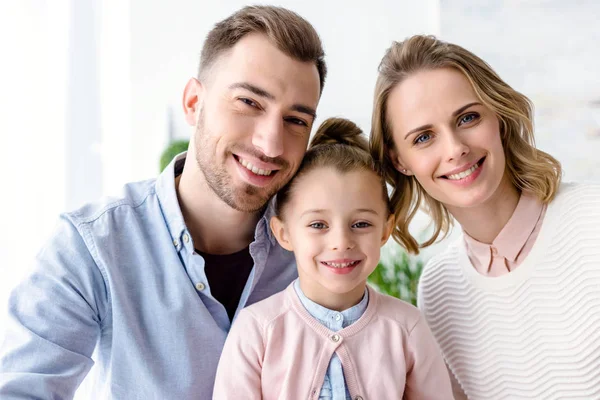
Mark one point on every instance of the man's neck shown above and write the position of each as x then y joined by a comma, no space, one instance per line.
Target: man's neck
216,228
484,223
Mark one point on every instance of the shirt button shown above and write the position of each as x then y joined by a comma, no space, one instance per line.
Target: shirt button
358,398
494,251
200,286
335,338
175,242
338,317
186,238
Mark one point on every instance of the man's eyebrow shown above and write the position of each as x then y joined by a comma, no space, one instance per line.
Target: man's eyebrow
263,93
252,88
305,110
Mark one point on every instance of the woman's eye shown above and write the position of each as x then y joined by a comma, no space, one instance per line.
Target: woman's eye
422,138
361,225
317,225
468,118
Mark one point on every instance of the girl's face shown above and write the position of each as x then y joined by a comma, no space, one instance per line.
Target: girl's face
447,138
335,223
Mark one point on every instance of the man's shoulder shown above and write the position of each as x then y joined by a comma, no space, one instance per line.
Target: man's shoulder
132,196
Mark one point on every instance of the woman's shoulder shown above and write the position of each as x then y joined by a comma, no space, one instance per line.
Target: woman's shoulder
576,198
443,263
570,190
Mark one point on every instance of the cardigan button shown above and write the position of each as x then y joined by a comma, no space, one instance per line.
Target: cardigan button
335,338
358,398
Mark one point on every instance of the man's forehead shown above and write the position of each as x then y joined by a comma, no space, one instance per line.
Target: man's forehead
255,61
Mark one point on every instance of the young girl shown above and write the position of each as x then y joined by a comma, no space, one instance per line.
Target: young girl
329,335
515,302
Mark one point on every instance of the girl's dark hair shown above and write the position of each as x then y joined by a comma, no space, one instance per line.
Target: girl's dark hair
340,144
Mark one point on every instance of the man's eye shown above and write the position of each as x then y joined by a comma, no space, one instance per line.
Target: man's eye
249,102
296,121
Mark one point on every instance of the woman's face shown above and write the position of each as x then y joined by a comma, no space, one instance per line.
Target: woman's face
446,138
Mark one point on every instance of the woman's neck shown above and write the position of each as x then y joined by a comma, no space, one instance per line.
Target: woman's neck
484,222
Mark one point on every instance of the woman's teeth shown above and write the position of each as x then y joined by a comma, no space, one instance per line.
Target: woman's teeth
464,174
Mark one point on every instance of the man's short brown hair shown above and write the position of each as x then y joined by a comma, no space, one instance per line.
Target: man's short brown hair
288,31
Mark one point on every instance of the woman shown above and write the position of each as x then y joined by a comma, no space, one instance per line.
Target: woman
515,302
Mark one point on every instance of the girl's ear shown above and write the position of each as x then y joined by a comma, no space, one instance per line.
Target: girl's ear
388,228
397,162
278,229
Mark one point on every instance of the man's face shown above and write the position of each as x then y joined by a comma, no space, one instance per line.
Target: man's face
254,113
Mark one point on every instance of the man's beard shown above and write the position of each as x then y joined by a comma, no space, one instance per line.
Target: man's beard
249,198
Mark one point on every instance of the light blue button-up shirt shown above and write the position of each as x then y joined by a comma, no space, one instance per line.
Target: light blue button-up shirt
121,277
334,385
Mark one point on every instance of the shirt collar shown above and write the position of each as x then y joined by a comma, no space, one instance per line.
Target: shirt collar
324,315
513,237
167,195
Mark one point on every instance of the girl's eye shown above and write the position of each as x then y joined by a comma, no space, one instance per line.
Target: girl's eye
467,118
317,225
362,224
422,138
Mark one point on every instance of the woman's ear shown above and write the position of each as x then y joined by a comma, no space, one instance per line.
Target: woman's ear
278,229
397,162
388,229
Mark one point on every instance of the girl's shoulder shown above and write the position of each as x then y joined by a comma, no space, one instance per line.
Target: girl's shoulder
268,309
404,313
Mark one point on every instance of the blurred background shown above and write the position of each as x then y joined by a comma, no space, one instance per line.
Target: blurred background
90,92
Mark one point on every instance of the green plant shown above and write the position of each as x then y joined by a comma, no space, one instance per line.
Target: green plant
398,278
174,148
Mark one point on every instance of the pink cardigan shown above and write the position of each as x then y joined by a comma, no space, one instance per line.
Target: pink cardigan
277,350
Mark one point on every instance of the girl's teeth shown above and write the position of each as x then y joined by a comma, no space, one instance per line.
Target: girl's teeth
464,174
254,169
342,265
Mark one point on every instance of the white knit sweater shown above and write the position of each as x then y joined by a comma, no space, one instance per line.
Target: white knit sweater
533,333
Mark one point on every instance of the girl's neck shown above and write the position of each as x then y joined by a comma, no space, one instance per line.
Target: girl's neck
332,301
484,222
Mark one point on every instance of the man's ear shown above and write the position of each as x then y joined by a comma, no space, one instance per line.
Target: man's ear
278,229
388,229
192,95
397,162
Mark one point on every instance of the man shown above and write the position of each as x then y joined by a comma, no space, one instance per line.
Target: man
151,281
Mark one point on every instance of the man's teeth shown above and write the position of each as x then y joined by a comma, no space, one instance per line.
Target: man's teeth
464,174
257,171
340,265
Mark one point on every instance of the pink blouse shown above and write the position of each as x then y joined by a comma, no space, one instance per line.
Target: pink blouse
514,241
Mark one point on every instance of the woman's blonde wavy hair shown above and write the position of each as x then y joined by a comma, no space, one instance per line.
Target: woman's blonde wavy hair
528,168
